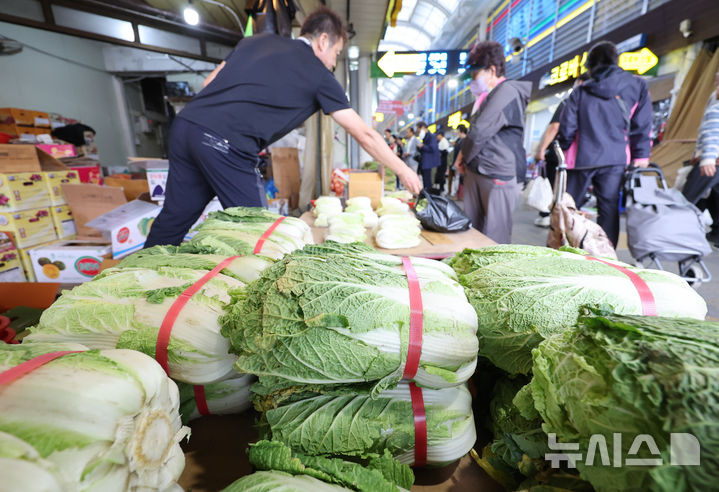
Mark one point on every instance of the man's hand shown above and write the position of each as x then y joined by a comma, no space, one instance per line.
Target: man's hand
641,162
708,170
375,146
410,180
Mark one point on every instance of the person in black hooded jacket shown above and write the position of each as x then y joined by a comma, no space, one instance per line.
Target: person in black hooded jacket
604,127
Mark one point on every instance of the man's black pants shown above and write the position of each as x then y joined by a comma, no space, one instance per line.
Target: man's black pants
607,182
203,165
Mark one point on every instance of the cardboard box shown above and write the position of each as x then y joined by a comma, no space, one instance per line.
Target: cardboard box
58,151
88,201
63,221
10,267
157,181
366,183
68,261
26,263
24,117
23,191
156,174
29,227
213,206
23,158
286,172
88,173
54,181
133,188
128,226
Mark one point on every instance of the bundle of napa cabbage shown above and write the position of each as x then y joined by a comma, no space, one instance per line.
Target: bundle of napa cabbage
340,313
93,420
236,231
125,306
347,421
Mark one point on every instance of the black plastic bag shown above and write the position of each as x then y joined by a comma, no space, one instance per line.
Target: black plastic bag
439,213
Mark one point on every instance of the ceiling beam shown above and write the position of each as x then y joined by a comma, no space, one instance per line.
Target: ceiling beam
98,37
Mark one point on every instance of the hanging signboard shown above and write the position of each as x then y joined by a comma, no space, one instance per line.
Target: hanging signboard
393,63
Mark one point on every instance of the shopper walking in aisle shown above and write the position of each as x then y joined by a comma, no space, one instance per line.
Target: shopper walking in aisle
443,145
430,154
547,161
411,152
266,87
493,151
609,120
457,148
706,156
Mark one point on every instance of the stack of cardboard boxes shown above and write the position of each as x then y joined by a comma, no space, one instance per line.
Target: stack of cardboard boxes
34,213
19,122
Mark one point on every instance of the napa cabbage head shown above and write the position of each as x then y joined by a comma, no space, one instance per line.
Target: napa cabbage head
623,376
522,294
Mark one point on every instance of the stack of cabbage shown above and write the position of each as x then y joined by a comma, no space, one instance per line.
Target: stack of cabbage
584,373
235,231
325,208
281,468
390,205
346,228
93,421
395,231
522,294
362,205
326,329
124,307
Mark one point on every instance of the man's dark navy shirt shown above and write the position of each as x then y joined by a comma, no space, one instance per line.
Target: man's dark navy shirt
269,85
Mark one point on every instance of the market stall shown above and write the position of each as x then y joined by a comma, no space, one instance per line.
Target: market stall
433,244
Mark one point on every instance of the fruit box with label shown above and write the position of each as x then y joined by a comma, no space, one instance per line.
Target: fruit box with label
68,261
127,225
29,227
10,266
54,181
63,221
26,263
22,191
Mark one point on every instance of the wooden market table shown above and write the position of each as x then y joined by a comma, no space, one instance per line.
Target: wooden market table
433,244
215,457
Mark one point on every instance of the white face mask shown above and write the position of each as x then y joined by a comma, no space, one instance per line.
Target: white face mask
422,133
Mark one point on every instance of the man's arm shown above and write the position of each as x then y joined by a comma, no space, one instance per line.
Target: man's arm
374,144
708,141
212,76
549,135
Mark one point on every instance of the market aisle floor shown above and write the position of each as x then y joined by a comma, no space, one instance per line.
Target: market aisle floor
525,232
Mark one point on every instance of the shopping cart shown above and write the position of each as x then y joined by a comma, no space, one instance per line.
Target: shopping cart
662,225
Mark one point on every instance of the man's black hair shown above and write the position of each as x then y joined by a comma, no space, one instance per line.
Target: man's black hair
324,20
462,129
